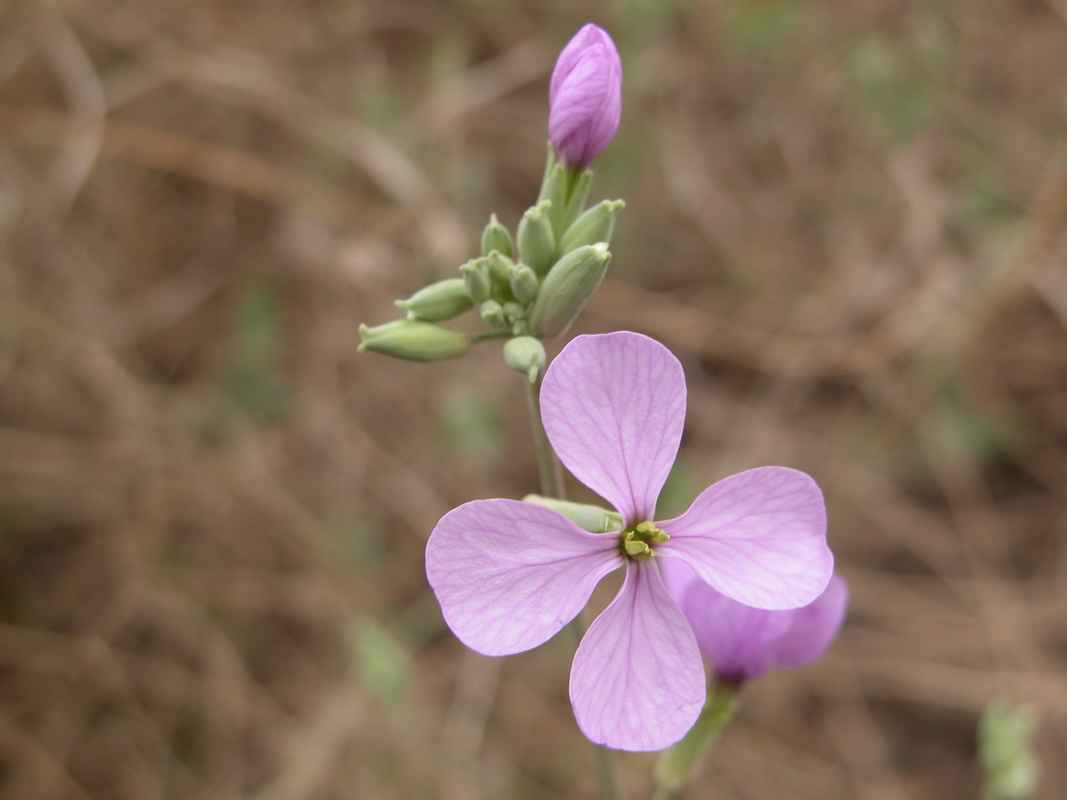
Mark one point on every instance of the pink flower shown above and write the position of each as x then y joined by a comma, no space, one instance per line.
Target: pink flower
743,642
584,97
509,575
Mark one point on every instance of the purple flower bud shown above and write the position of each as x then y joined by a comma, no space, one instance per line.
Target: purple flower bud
584,97
744,642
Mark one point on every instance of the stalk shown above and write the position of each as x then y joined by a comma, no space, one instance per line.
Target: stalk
551,474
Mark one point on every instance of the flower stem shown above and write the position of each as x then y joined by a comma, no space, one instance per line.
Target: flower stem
677,766
547,464
551,474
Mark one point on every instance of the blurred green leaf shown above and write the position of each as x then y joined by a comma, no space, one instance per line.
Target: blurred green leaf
382,662
254,380
1005,749
359,542
759,28
894,86
472,425
638,15
957,429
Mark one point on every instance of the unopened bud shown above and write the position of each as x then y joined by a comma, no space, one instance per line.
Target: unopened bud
476,281
500,272
537,242
594,225
438,301
496,237
525,354
567,288
524,283
414,340
585,99
493,314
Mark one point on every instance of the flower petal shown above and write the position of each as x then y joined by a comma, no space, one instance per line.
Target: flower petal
588,36
613,407
509,575
758,537
584,116
637,682
740,641
814,626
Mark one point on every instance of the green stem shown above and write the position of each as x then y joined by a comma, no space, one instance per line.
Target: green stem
488,335
548,466
677,766
551,474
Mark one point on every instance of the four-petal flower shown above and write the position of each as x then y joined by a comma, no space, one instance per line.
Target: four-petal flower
509,575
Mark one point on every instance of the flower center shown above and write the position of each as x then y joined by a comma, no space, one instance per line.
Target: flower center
636,542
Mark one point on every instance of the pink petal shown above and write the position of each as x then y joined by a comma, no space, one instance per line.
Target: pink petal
740,641
814,626
613,406
637,682
758,537
584,116
509,575
588,36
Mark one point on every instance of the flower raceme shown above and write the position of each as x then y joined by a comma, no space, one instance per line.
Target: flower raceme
585,97
743,642
509,575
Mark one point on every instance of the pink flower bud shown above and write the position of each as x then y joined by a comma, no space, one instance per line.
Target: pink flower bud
584,97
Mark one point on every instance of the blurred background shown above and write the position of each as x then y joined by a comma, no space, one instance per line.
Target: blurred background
848,218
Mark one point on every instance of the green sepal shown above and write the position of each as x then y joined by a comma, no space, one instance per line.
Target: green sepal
577,191
438,302
525,354
414,340
567,188
586,516
1006,752
594,225
680,764
537,241
567,288
496,237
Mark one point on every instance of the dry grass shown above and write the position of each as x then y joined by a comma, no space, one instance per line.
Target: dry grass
849,219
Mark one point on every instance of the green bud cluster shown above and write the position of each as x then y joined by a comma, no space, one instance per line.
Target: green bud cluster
526,287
